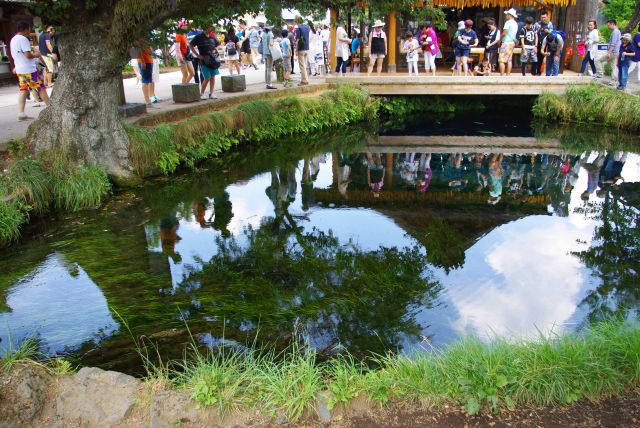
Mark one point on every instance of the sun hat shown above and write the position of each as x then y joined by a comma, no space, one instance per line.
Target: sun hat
627,36
378,23
468,23
511,12
460,25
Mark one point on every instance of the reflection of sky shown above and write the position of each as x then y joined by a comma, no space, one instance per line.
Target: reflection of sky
64,310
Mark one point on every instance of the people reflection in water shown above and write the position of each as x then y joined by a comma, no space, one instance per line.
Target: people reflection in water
496,174
516,176
409,168
169,236
456,181
375,173
425,173
223,213
200,208
593,175
345,165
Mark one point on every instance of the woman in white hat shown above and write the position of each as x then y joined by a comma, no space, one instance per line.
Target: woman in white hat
377,46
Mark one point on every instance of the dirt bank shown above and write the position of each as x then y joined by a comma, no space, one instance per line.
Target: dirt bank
30,396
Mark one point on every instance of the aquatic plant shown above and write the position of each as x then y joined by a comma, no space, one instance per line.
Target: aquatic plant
591,104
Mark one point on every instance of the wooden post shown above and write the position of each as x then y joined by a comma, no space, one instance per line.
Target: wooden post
391,38
334,35
363,68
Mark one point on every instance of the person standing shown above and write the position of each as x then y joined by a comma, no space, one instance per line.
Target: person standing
315,53
195,61
204,47
552,50
285,47
145,64
543,28
182,51
45,46
292,39
612,52
466,39
593,38
509,34
303,40
378,46
491,49
411,47
529,43
429,41
627,52
343,48
25,68
267,42
231,51
635,61
254,43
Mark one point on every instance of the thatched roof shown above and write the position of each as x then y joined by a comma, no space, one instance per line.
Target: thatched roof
503,3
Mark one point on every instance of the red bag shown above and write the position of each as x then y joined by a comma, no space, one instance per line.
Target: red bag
582,48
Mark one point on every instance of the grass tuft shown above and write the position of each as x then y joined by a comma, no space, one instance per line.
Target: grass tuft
26,183
83,188
11,218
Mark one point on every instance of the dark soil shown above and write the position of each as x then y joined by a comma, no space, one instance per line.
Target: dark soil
613,412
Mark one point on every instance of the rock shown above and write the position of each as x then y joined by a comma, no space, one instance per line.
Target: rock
132,109
322,409
185,93
235,83
97,398
23,396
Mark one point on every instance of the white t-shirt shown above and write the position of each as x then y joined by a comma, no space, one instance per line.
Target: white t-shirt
511,30
411,44
19,45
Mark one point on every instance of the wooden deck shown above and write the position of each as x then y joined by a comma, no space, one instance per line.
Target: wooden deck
395,84
462,144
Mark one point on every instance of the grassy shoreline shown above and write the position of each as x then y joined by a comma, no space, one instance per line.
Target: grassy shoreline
601,361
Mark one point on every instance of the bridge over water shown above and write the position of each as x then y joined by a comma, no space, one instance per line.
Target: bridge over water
458,85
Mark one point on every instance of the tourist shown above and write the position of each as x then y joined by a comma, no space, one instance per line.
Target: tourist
45,45
627,53
303,41
377,47
635,61
552,50
245,50
543,28
267,42
411,47
375,173
182,53
483,69
145,64
425,174
612,53
466,40
254,44
285,47
429,42
195,61
509,34
593,38
491,49
454,44
204,46
496,173
25,68
231,51
315,55
292,39
343,44
528,42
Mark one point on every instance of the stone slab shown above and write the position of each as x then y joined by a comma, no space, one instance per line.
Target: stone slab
132,109
235,83
185,93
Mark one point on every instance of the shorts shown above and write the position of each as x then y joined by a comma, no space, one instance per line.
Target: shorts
182,61
31,82
49,64
506,53
286,64
528,55
208,73
464,52
375,56
146,72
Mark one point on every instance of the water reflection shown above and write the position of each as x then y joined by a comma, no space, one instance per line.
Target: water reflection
367,249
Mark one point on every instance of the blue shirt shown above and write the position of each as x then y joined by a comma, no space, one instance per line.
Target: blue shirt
469,37
615,40
285,46
636,46
266,38
303,30
44,49
355,45
254,38
624,59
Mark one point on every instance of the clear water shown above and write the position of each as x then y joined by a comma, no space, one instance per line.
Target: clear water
349,246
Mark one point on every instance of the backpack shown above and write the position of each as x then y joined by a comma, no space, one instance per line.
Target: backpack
232,49
302,42
212,60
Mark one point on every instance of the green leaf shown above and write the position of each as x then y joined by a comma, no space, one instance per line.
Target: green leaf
501,381
472,407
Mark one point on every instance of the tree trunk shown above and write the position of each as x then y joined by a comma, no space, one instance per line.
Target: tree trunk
82,118
635,19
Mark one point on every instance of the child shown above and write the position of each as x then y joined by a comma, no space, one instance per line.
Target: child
285,47
529,42
466,39
483,69
411,47
624,61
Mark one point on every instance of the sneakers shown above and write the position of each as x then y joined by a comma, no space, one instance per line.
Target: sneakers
155,99
271,87
203,97
151,106
213,96
23,116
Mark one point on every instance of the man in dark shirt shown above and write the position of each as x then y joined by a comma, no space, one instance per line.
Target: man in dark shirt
206,44
303,54
45,46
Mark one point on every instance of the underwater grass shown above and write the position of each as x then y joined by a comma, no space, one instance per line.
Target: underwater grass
591,104
164,147
601,361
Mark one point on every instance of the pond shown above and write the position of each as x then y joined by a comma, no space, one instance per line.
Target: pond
349,241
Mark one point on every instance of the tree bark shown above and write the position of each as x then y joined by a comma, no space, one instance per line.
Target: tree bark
82,117
635,18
